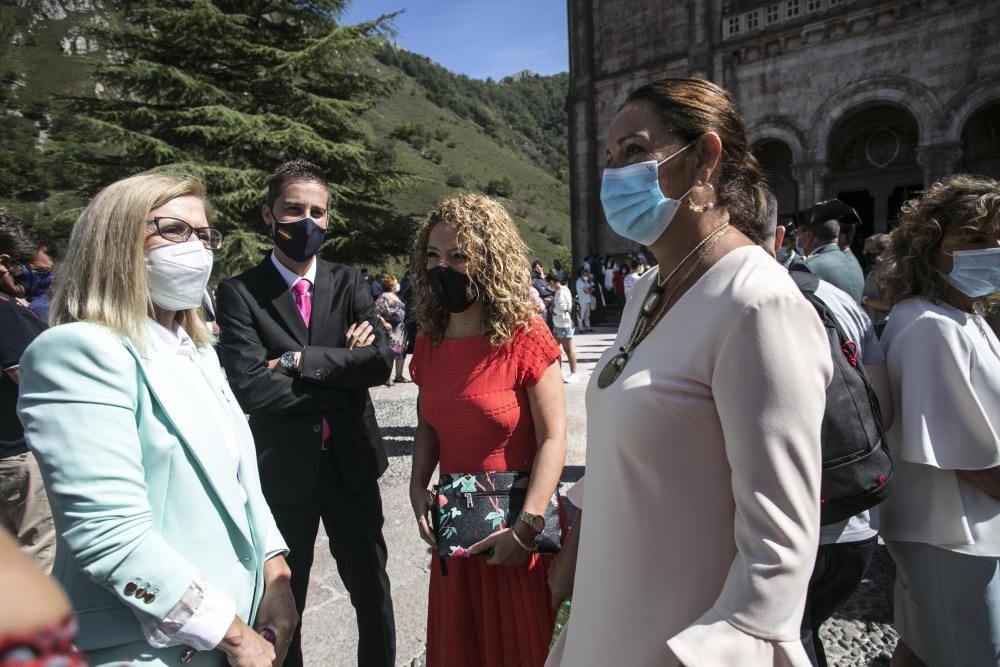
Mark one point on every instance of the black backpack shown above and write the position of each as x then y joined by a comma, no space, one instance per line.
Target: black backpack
857,467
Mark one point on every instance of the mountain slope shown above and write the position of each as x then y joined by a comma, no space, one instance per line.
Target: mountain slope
448,132
446,153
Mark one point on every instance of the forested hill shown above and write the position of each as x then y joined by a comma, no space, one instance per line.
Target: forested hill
428,131
524,110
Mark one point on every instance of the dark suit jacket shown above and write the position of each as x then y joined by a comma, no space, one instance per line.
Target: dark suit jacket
259,321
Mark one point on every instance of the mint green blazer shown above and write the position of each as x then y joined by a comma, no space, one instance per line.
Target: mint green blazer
134,468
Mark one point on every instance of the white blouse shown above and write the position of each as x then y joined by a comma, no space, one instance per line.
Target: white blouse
703,467
944,373
204,614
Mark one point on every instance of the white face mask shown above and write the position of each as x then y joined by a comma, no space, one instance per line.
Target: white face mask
178,274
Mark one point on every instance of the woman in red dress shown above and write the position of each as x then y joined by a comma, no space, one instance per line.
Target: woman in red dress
491,399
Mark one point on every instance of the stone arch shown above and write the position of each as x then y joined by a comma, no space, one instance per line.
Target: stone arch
916,98
874,161
965,104
779,128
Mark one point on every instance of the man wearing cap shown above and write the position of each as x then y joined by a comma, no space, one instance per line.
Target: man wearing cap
817,237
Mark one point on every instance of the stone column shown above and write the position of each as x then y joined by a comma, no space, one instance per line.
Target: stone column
811,177
938,160
584,215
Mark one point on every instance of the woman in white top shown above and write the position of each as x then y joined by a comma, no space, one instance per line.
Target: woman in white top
610,269
632,277
942,523
562,323
586,298
700,517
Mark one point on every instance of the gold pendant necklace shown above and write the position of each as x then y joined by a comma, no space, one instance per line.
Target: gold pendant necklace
651,304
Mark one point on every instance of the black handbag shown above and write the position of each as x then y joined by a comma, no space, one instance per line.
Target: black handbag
473,506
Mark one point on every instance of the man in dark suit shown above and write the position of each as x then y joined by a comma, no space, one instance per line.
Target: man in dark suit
301,348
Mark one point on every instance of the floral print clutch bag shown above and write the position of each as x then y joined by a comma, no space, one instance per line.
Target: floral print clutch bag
473,506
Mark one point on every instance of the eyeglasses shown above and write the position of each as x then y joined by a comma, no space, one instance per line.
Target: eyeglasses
178,231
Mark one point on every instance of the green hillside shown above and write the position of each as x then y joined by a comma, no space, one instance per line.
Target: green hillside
459,156
446,132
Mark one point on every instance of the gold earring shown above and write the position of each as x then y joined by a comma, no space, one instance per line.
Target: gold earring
701,208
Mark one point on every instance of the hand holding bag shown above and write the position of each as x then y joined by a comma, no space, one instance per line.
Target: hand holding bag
473,506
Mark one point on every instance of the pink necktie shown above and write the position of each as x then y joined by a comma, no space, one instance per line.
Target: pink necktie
302,299
304,304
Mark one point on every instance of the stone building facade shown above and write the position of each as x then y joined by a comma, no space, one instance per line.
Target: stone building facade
865,100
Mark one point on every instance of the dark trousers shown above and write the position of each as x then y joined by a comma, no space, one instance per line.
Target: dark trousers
838,571
353,522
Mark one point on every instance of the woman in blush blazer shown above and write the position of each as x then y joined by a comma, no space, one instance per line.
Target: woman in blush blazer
166,548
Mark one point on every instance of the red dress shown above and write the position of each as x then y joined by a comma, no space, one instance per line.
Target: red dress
475,398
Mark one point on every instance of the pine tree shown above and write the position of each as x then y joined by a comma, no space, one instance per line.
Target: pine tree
226,90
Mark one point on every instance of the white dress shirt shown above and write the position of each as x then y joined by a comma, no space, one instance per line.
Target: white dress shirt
291,278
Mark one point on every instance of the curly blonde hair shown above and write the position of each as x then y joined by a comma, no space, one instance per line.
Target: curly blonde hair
498,266
963,202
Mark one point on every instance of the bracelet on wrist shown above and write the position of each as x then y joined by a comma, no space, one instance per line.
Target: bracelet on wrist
520,543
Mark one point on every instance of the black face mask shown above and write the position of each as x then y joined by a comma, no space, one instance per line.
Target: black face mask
452,289
300,240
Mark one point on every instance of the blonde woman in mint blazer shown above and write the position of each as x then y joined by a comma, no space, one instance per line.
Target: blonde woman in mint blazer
166,548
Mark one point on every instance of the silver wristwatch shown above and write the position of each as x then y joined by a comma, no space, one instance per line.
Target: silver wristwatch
287,363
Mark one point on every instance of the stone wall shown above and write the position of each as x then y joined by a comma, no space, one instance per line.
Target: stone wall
817,63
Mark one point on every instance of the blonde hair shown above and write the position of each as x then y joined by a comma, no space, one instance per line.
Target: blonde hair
498,266
103,276
969,203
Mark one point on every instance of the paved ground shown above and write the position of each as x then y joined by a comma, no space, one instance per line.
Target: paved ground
857,636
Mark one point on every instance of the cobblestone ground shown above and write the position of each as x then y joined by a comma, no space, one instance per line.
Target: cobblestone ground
859,634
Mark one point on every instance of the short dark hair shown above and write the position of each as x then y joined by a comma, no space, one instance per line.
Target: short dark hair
16,238
553,278
827,231
848,233
293,171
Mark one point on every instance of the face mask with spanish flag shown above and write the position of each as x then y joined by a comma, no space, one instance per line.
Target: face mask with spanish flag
300,240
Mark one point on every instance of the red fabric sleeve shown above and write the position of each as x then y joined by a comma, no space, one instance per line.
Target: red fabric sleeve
420,347
536,350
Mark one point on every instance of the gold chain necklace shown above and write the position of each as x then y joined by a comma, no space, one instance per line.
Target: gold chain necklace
652,303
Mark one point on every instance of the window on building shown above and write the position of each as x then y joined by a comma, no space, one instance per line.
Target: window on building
813,5
772,14
753,20
833,3
791,9
732,26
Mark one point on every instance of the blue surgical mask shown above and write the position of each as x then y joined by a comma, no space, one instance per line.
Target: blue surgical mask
975,273
634,205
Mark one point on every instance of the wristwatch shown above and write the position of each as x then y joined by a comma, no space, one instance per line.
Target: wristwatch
535,522
288,363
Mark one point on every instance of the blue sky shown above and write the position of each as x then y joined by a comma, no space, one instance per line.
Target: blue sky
479,38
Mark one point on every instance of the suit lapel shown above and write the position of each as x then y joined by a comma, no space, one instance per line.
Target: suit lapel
323,292
276,291
194,424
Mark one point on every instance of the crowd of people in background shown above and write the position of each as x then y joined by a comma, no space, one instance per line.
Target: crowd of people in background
569,303
172,472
